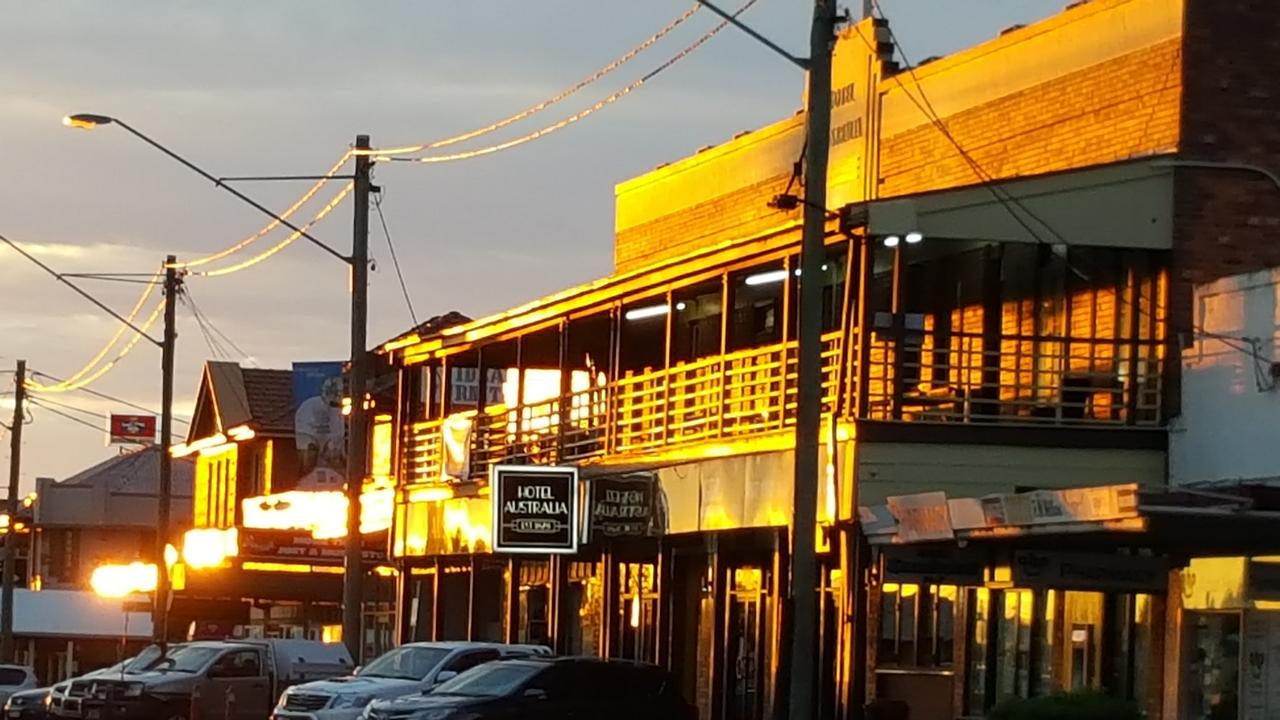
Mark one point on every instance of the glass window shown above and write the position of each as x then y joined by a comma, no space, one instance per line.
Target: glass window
917,625
495,680
978,650
468,660
12,676
756,299
1213,668
695,322
406,663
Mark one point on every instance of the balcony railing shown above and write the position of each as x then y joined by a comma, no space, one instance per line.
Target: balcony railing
1056,381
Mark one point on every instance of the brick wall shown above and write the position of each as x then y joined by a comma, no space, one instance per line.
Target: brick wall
1108,112
738,215
1226,222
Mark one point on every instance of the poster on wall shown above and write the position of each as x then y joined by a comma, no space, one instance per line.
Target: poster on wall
319,428
535,509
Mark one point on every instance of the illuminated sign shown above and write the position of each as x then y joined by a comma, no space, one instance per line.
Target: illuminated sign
535,509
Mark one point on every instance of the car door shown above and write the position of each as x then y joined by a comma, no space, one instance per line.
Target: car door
237,687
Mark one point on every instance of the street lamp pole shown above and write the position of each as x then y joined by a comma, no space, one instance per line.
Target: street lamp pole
160,611
357,431
804,560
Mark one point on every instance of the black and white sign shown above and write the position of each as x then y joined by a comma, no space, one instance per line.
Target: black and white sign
535,509
1090,571
623,506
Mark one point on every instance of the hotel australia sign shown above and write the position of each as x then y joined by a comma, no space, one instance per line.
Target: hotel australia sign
535,509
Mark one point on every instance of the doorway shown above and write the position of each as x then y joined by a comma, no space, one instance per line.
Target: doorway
748,639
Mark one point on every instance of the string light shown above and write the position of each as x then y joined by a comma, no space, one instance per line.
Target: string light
133,342
465,155
335,202
89,366
275,222
619,62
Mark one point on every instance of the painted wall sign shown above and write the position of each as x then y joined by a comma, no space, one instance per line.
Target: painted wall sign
623,506
535,509
924,516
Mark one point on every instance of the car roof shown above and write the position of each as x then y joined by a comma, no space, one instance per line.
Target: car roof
469,645
585,660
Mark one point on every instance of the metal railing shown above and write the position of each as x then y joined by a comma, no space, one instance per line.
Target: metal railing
949,379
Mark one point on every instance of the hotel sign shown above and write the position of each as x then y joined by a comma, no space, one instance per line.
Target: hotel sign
535,509
623,506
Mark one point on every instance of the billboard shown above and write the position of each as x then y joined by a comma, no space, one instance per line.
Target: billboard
132,429
319,428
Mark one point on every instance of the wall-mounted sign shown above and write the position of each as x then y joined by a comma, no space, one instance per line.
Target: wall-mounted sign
623,506
1090,571
132,429
925,516
1051,507
944,565
300,546
535,509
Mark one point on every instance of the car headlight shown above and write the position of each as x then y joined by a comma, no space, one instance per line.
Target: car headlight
352,701
133,690
15,702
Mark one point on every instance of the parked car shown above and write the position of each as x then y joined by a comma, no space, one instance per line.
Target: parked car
546,689
65,697
219,680
408,669
16,678
28,705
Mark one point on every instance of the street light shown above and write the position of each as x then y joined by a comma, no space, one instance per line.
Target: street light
357,435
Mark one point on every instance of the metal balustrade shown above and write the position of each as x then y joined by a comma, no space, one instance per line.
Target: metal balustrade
1029,380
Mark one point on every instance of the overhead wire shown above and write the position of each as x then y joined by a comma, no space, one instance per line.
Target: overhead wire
69,406
275,222
112,398
91,377
70,417
538,107
242,265
207,325
395,261
565,122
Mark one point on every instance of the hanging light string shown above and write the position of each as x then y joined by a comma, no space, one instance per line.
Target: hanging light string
385,155
324,211
498,125
85,380
275,222
89,366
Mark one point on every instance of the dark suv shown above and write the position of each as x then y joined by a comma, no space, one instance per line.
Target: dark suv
546,689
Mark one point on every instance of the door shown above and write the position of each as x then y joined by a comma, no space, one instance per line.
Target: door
237,687
747,659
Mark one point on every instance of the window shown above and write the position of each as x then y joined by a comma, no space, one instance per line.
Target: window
406,663
237,664
468,660
917,625
12,676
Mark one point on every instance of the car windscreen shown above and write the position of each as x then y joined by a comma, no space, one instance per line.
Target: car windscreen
12,676
187,659
491,680
406,663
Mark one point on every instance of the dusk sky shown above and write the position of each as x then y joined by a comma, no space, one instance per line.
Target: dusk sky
246,88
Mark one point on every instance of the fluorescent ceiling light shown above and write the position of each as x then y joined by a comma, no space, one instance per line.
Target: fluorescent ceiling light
914,237
892,241
647,312
767,277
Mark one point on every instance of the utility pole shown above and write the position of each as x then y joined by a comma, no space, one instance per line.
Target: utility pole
358,428
160,611
10,538
804,561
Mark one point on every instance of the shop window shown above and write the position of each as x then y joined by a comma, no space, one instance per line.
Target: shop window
978,651
1213,667
917,625
1013,667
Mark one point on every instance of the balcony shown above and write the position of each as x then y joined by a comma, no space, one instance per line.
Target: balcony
950,333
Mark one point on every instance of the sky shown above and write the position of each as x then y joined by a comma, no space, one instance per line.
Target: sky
253,88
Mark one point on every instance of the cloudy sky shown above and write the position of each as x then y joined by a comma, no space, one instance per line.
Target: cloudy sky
247,88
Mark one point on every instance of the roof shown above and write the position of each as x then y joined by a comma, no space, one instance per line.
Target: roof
430,327
231,395
136,472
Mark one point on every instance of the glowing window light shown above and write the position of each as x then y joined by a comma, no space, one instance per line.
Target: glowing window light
204,548
115,581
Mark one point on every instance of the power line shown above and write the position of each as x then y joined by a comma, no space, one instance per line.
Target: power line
62,279
498,125
377,203
565,122
69,406
70,417
275,221
216,335
105,396
300,232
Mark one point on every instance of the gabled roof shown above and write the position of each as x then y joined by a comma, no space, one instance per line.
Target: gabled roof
230,396
133,473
